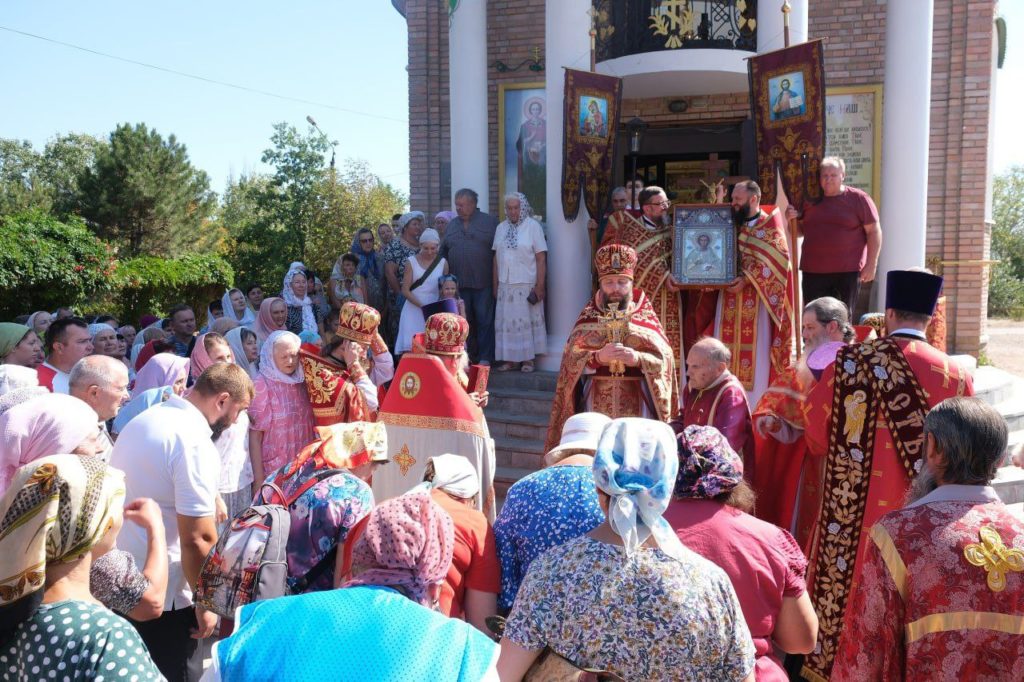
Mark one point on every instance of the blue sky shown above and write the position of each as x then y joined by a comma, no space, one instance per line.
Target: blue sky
345,54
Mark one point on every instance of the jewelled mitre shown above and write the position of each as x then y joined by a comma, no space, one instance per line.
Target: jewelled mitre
358,322
616,260
446,334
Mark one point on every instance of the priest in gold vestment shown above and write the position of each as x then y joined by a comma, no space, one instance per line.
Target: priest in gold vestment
617,360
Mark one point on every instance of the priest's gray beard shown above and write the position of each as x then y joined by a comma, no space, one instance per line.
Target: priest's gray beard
922,484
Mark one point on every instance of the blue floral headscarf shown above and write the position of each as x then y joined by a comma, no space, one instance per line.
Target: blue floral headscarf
636,464
708,466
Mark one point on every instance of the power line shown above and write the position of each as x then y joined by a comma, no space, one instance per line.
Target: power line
203,79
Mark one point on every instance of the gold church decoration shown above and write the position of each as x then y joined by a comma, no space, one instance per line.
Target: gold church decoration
674,20
995,557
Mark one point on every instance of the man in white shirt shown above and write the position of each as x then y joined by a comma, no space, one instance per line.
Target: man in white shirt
102,383
67,342
167,454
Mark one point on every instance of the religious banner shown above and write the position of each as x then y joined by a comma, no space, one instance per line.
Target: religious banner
591,115
787,95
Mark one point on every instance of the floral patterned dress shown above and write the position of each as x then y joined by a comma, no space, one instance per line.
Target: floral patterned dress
643,617
546,509
320,518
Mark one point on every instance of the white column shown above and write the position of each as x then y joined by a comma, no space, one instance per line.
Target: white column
770,26
906,107
467,87
567,44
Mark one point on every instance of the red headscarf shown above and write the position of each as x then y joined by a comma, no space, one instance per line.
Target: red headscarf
264,325
408,544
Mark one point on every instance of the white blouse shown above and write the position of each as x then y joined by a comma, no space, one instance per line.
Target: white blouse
519,265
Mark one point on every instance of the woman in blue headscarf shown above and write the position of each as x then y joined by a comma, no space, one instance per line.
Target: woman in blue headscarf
630,580
370,269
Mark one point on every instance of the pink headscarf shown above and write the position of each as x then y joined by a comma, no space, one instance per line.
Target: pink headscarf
200,358
52,424
163,369
264,325
408,544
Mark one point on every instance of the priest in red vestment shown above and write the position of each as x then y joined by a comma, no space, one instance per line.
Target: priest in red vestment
754,317
685,315
337,378
784,472
941,595
428,411
714,397
873,401
617,360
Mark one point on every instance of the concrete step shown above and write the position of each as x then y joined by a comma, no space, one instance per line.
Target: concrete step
520,453
1009,484
534,381
518,400
504,424
504,477
1013,412
995,386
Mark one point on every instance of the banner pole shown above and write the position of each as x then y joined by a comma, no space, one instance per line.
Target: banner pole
794,229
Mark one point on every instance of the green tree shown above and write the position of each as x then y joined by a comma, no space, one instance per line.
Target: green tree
143,194
1006,281
21,185
46,180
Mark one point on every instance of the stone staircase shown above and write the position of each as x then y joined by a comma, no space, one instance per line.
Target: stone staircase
517,416
1005,392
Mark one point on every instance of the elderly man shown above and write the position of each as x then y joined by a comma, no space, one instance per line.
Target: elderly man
784,472
617,360
67,341
842,238
467,246
942,587
620,200
102,383
714,397
865,426
551,506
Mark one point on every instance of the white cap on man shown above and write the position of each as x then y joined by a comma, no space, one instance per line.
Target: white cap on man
580,435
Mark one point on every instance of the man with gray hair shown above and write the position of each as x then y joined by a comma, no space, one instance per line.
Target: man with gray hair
715,397
467,246
842,237
101,382
942,585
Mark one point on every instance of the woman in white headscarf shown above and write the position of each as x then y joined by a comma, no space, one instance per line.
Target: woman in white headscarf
420,286
302,314
630,579
236,307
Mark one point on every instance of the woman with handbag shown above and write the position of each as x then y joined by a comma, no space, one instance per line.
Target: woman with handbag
420,287
520,268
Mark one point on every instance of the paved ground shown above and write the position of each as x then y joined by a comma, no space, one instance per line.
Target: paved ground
1006,345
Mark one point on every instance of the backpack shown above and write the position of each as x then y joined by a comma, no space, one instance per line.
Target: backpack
249,561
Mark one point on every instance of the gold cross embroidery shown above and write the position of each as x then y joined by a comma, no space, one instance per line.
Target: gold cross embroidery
944,372
404,460
992,555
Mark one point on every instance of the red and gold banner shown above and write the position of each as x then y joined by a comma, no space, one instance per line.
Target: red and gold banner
787,97
591,117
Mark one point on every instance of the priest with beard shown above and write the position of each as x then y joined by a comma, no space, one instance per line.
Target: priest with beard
617,360
941,594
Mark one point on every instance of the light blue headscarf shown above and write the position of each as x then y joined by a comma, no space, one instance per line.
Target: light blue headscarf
636,464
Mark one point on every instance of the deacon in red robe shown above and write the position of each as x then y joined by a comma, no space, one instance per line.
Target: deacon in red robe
942,585
754,318
872,404
784,472
617,360
714,397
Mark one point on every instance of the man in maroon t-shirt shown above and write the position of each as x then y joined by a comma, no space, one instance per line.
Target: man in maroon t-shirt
842,238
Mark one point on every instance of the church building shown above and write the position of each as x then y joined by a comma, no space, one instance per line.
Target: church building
910,95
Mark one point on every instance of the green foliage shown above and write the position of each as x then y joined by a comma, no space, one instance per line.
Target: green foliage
46,180
303,211
143,194
1006,281
46,263
148,284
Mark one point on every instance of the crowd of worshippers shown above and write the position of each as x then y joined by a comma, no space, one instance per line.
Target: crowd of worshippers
276,493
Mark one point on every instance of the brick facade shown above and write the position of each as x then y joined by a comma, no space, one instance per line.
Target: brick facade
855,52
